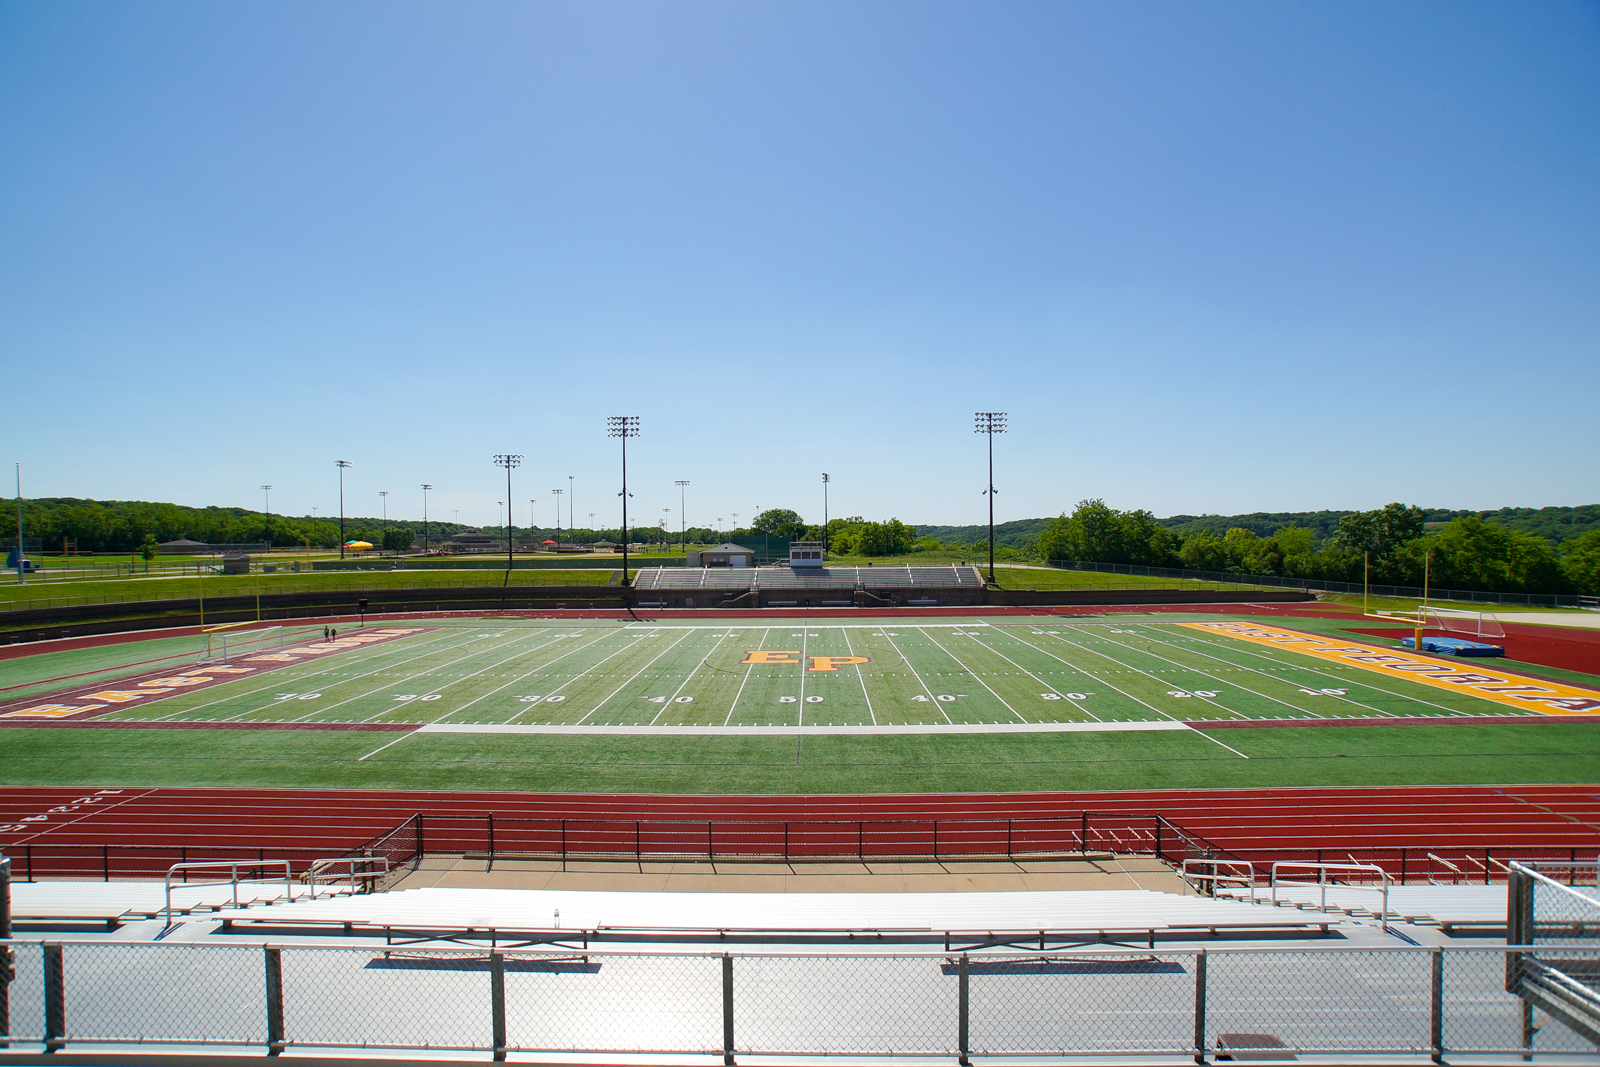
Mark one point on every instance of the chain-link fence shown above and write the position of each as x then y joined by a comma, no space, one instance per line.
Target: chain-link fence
1342,1000
1561,924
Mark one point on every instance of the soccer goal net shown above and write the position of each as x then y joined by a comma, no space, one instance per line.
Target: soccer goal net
1451,620
224,644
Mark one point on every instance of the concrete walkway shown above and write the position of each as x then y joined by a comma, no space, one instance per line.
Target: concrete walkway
1095,871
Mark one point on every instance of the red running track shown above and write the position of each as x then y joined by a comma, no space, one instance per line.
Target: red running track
1335,820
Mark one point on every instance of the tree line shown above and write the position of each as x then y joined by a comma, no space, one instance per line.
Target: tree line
1390,545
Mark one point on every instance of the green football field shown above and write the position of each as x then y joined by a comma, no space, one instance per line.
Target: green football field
758,705
928,673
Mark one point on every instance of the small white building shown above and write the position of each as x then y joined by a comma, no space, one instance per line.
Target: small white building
805,553
723,555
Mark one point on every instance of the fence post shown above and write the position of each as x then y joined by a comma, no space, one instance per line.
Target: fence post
1436,1027
497,1002
1083,834
416,861
727,1010
490,818
105,863
55,999
963,1009
274,972
1159,821
8,955
1200,1006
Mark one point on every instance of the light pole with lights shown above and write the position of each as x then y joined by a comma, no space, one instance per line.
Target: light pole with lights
425,488
990,423
508,462
266,497
683,515
623,426
557,493
825,481
385,494
343,463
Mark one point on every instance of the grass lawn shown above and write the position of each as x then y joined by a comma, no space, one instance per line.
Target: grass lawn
110,591
1356,755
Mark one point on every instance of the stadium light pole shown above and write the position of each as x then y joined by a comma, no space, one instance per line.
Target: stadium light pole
342,463
572,499
266,495
683,516
825,481
22,555
532,526
425,488
385,494
990,423
509,462
557,494
623,426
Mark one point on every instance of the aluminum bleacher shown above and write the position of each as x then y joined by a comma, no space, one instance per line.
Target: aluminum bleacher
784,577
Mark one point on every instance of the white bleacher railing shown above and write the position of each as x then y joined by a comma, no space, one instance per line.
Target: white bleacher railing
1322,882
233,879
1210,873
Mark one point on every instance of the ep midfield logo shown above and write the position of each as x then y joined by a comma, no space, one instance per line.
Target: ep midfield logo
818,663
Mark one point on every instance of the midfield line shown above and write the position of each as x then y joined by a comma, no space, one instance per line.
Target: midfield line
636,674
974,674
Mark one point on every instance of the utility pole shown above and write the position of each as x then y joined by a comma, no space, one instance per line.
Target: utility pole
266,494
623,426
384,493
343,463
508,462
990,423
572,499
425,488
683,516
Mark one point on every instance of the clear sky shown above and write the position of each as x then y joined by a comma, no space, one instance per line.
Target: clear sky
1211,257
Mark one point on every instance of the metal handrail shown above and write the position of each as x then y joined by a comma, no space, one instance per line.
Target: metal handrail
355,876
1216,877
1322,870
233,878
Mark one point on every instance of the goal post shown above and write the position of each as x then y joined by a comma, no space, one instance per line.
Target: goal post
230,642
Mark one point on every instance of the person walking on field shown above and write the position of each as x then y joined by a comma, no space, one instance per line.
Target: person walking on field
325,635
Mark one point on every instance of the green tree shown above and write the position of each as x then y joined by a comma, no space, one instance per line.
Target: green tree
1381,532
780,522
1582,562
397,539
148,550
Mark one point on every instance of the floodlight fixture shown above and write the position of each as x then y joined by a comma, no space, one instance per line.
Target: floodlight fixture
990,423
623,426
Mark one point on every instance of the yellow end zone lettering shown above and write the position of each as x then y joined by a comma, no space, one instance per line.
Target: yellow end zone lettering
1525,694
833,663
769,656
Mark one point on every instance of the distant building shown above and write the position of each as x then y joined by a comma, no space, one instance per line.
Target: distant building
473,541
723,555
805,553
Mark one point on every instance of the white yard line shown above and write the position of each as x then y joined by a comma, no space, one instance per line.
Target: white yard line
391,709
1166,684
677,692
581,674
729,718
1224,682
1129,695
974,675
333,665
1273,677
800,718
918,677
1142,726
1036,678
550,640
860,677
1353,680
635,674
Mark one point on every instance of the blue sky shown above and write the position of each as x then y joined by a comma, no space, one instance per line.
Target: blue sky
1210,257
